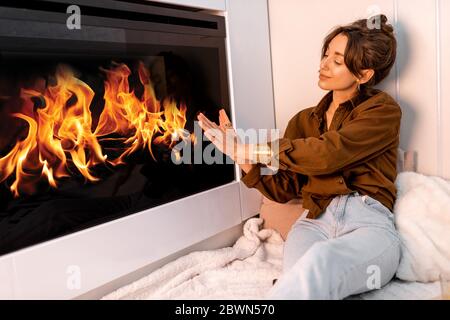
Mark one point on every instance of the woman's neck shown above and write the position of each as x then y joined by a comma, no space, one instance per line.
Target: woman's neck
340,96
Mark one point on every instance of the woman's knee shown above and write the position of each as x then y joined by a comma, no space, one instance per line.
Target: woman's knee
389,263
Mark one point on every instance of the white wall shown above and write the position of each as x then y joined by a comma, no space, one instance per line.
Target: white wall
418,80
444,19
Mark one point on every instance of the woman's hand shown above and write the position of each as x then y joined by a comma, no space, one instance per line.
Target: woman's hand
224,137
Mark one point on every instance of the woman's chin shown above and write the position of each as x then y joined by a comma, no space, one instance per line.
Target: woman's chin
323,86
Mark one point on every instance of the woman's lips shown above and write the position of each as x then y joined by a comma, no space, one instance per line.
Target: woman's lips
322,77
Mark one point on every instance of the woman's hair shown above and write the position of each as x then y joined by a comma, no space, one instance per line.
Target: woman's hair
371,45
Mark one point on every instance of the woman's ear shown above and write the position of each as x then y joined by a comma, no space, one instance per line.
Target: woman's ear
367,74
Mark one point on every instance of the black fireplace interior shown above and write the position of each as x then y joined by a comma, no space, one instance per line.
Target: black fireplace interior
89,118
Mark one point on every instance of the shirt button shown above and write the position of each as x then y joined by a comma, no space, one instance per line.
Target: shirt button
341,180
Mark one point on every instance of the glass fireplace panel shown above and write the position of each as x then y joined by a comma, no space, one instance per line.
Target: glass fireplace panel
87,130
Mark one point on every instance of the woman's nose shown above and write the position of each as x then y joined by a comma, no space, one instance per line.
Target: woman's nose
324,63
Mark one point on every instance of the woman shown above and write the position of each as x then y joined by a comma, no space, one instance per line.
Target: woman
340,158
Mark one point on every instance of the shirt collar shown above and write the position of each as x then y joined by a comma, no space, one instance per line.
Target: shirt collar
324,103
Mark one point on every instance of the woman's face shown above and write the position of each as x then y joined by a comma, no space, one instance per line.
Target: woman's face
334,74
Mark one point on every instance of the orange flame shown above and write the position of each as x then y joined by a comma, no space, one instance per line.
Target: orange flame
61,132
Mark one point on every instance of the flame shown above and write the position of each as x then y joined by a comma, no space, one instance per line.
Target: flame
60,134
14,160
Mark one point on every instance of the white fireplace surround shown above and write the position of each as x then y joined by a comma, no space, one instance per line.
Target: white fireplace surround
88,263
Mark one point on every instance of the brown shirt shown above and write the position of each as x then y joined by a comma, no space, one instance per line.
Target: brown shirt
358,153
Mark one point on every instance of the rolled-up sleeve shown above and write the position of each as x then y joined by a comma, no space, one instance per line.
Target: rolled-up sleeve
284,185
367,135
280,187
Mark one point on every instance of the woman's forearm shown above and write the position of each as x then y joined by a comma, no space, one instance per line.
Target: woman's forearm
253,154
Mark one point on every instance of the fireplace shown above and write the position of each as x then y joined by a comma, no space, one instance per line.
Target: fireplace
90,117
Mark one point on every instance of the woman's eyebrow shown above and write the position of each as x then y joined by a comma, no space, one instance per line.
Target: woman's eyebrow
337,53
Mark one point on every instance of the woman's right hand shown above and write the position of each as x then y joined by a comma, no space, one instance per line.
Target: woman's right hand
226,140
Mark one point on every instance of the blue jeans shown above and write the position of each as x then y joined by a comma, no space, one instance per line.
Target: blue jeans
352,247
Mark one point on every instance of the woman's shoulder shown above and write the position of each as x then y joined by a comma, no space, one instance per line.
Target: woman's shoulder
378,105
380,97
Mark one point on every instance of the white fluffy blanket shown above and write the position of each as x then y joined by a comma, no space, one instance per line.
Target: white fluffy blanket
244,271
422,217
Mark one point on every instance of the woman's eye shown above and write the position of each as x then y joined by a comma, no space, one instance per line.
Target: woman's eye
325,55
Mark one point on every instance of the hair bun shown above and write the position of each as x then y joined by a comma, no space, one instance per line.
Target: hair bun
383,19
383,22
374,23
